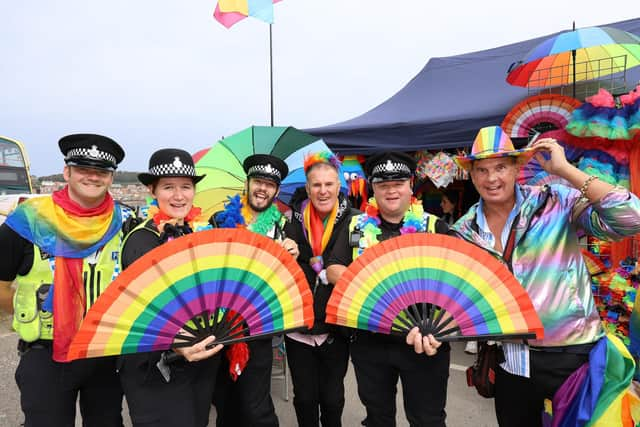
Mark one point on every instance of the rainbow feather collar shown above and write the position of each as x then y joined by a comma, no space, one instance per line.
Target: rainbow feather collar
369,222
236,214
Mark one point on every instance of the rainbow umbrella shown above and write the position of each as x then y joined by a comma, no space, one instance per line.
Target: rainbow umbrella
230,12
222,163
578,55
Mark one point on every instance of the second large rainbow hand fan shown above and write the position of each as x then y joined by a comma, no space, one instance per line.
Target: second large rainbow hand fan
230,283
446,286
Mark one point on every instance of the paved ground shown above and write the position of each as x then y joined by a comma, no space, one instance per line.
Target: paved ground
464,406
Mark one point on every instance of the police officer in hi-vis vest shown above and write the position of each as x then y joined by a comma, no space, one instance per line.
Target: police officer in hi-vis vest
63,250
380,359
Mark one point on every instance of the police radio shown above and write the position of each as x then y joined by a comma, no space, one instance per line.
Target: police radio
354,238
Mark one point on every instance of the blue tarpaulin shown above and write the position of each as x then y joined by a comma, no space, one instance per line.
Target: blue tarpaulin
446,103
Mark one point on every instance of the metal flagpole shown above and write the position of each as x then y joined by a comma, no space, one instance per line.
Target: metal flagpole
573,57
271,71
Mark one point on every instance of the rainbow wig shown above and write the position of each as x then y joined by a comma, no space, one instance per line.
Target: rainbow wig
325,157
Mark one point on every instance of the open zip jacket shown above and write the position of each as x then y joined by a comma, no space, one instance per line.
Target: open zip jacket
547,260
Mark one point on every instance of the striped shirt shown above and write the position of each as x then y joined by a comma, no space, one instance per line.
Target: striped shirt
516,354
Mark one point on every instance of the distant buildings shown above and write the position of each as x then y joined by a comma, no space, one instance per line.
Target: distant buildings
133,194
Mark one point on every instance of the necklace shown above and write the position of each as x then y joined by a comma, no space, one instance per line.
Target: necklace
237,214
413,221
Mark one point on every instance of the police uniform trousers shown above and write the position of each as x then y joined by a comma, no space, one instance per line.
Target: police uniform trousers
548,370
49,390
379,360
247,401
184,401
318,374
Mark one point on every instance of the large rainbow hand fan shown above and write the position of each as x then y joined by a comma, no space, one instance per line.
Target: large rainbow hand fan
230,283
446,286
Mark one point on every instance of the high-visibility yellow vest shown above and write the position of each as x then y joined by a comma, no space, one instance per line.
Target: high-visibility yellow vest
429,224
98,271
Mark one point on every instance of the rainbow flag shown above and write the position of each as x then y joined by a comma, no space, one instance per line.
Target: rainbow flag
634,333
599,393
230,12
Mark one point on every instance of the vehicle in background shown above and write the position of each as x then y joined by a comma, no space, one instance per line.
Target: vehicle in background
15,180
14,168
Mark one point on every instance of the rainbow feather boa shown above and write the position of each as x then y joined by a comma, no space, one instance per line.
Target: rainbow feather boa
236,214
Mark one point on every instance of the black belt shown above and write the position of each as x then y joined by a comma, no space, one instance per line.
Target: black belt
571,349
24,346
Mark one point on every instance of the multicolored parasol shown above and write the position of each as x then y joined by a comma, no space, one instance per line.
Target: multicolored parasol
578,55
539,113
230,12
222,163
181,292
445,286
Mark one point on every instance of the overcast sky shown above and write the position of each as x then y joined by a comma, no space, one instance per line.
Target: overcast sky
163,73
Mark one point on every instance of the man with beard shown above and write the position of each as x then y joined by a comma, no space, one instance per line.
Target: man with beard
378,359
243,388
318,358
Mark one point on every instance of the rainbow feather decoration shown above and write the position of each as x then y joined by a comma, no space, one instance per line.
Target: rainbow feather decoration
446,286
231,283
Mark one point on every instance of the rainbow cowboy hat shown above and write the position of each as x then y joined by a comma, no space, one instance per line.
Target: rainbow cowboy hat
492,142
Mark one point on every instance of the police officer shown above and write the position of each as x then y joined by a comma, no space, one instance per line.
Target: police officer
63,250
243,388
172,388
379,359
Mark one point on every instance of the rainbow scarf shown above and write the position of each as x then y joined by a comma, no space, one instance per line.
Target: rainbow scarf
317,233
60,227
599,393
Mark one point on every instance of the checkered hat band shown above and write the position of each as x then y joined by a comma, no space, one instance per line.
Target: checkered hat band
264,170
391,168
92,154
169,169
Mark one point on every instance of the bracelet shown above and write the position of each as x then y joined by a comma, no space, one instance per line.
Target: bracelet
585,186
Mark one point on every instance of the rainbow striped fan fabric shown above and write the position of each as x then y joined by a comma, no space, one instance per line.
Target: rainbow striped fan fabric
205,283
445,286
539,113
